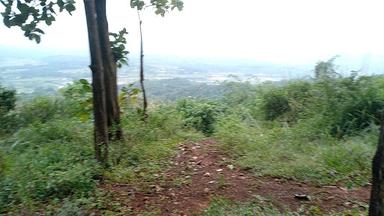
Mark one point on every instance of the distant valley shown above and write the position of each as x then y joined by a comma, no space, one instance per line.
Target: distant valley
42,73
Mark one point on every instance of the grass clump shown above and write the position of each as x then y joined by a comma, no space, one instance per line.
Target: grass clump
220,206
45,162
149,144
262,207
200,115
320,130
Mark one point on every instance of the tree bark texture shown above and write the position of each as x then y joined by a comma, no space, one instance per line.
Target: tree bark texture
110,73
98,87
376,207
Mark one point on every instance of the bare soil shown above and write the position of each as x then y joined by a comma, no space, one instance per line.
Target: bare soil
201,172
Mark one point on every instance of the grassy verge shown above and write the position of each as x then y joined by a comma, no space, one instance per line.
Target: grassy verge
289,153
224,207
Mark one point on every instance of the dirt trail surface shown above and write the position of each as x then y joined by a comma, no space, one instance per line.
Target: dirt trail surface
200,172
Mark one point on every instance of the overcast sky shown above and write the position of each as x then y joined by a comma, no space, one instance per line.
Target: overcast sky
287,31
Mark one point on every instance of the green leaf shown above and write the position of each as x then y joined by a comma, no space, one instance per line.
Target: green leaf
84,81
138,4
39,31
70,8
23,8
60,3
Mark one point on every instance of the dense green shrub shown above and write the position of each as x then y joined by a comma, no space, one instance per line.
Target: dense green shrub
317,130
297,152
346,105
41,110
48,157
201,115
349,104
7,100
275,105
47,161
7,103
79,95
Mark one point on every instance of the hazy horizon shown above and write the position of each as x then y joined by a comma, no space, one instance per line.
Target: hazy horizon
208,41
287,32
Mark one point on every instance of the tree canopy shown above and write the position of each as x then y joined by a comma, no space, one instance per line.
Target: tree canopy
30,15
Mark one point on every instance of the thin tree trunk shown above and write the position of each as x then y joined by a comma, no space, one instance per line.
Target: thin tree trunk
110,78
99,110
376,207
145,102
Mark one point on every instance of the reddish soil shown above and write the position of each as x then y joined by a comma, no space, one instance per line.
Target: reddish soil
200,172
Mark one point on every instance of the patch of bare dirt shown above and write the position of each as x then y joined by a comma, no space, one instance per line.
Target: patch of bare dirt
200,172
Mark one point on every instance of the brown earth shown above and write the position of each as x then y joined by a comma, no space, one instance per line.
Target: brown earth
200,172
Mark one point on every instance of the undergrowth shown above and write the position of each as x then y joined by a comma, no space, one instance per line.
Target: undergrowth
260,207
321,130
47,164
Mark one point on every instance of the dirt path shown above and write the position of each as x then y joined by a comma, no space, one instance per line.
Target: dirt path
200,172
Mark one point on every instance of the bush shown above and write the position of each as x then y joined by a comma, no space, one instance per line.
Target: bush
41,110
48,161
7,100
201,115
275,104
346,105
7,103
314,130
79,96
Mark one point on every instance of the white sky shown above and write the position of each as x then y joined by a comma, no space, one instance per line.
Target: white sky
286,31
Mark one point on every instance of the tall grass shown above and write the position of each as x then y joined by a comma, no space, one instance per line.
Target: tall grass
324,131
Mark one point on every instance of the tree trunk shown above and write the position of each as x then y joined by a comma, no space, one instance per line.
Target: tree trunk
99,104
376,207
110,77
145,102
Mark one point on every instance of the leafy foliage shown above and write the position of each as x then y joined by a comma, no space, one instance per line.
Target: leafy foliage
79,95
7,104
161,6
118,43
7,100
201,115
47,162
28,15
326,69
275,105
317,130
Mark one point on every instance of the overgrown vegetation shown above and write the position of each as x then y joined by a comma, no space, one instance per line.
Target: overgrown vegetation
200,114
261,207
221,206
47,159
320,130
